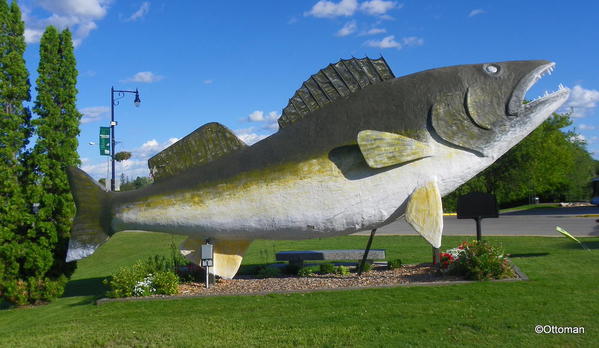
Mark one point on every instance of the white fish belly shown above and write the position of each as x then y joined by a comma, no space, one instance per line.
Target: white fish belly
313,200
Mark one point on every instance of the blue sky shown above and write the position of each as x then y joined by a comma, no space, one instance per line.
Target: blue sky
238,62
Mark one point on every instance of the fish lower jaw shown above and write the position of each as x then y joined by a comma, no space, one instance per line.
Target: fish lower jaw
548,98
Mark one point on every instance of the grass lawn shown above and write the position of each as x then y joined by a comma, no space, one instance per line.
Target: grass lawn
530,207
563,291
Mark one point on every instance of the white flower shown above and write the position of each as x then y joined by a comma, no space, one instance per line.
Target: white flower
144,287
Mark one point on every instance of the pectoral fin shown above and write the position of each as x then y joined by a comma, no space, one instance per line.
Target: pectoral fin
425,213
382,149
228,254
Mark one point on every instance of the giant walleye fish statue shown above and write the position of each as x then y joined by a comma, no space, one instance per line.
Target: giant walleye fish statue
356,149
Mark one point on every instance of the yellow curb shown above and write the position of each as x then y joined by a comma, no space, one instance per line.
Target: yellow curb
587,215
450,214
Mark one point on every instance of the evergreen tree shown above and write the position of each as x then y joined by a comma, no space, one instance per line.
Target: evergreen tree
15,130
56,128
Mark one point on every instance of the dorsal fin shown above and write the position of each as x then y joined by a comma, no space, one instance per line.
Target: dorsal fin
205,144
337,80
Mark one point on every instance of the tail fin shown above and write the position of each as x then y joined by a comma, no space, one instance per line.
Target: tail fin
91,226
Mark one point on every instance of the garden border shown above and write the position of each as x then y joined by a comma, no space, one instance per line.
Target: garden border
520,276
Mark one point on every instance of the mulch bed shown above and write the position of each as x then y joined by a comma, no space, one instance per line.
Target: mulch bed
379,276
408,275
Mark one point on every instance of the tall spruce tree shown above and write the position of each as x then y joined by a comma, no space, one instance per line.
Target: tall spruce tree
15,130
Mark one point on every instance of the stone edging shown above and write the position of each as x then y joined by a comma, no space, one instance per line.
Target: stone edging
520,277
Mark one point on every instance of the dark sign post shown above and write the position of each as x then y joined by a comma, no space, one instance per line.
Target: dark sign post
477,206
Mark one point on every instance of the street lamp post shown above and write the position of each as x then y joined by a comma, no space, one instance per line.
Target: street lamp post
113,102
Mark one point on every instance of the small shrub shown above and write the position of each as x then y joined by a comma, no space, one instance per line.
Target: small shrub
177,259
190,273
32,290
342,270
269,272
123,282
326,268
480,261
159,263
144,278
291,269
166,283
305,271
394,264
249,269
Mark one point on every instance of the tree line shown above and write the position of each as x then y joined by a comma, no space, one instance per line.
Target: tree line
36,207
549,163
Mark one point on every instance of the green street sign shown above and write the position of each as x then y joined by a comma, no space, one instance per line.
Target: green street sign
104,141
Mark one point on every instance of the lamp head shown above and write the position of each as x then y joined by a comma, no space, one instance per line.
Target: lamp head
137,101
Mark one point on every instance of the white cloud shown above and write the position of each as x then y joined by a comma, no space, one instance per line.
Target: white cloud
375,31
269,121
273,116
578,138
412,41
390,42
586,127
347,8
249,136
141,12
329,9
93,113
581,101
267,124
348,29
152,147
256,116
386,42
377,7
96,170
78,15
136,166
208,82
85,8
476,12
144,77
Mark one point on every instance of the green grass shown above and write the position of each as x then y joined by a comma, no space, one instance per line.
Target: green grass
562,291
530,207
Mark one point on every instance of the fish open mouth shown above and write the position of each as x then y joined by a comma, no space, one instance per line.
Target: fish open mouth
516,107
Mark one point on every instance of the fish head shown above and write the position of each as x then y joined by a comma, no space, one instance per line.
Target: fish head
481,107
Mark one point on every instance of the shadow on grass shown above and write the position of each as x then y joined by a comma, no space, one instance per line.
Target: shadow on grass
85,287
589,245
529,255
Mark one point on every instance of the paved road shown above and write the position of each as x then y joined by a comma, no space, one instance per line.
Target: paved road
537,222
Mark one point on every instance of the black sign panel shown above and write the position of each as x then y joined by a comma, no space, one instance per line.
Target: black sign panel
477,205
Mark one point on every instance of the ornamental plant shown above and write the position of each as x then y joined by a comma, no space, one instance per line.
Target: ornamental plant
144,278
478,260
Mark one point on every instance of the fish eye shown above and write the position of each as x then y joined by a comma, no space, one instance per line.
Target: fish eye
491,69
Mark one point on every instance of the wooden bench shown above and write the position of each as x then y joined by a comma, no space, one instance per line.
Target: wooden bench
298,257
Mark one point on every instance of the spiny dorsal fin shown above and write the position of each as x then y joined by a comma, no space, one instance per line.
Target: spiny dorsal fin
336,80
205,144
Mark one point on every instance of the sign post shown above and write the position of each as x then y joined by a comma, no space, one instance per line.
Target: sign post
207,261
104,141
477,205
